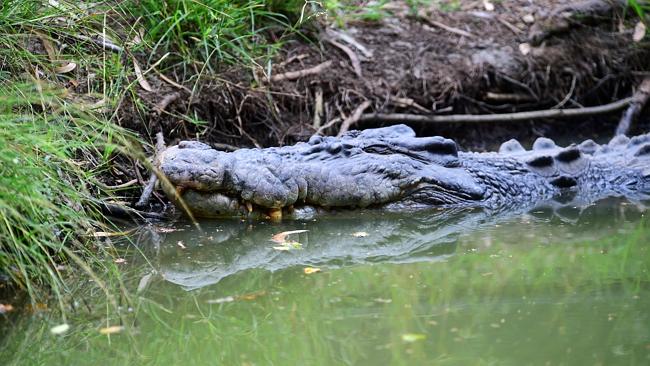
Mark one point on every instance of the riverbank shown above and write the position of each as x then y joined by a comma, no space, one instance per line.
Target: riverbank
85,86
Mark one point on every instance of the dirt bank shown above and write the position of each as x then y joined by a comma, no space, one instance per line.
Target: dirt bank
518,56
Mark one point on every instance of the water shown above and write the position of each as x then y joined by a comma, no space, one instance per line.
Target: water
552,286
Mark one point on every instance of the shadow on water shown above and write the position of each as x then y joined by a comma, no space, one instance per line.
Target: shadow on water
551,285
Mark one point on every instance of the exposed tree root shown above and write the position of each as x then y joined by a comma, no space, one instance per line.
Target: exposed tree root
499,117
639,100
292,75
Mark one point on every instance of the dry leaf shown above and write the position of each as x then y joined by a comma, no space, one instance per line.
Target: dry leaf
166,229
65,68
524,48
60,329
144,282
310,270
288,245
138,74
104,234
488,5
281,237
181,245
39,306
221,300
5,308
413,337
112,329
360,234
639,32
49,48
250,296
120,260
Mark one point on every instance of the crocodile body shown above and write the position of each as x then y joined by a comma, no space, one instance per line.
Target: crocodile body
390,168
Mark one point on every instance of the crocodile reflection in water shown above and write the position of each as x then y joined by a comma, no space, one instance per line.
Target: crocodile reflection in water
231,246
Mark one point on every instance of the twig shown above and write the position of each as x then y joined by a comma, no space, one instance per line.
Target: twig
103,43
153,178
351,41
171,82
115,210
328,125
293,58
508,97
164,102
639,99
318,107
520,84
408,102
449,29
354,118
292,75
499,117
509,25
356,64
119,186
568,96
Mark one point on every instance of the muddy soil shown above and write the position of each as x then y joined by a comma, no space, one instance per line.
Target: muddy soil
519,56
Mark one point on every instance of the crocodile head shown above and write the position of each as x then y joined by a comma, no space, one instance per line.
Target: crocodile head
375,167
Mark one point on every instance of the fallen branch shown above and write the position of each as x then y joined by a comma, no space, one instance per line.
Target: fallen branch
639,100
153,178
354,118
499,117
293,75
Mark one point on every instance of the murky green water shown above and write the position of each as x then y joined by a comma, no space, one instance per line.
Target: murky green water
549,287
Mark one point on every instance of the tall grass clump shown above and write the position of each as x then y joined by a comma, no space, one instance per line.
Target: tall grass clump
216,33
47,188
56,89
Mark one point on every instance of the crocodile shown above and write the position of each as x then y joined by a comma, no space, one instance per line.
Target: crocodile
392,169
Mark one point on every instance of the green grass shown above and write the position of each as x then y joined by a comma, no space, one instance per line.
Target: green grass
60,98
48,185
54,142
207,36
